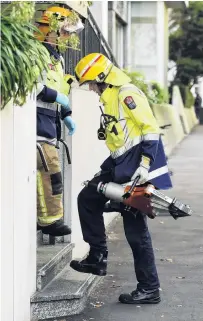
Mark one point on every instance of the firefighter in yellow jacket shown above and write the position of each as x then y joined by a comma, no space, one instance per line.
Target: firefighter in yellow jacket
52,106
136,151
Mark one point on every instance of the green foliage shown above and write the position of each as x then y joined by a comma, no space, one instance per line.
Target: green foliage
21,53
73,41
186,42
22,12
139,81
187,97
160,94
152,90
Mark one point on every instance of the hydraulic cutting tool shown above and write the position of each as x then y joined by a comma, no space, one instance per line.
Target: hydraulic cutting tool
145,198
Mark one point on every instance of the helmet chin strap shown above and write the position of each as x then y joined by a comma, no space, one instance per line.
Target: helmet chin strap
102,87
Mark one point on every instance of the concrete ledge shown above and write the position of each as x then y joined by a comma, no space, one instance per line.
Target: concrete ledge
167,114
177,102
191,117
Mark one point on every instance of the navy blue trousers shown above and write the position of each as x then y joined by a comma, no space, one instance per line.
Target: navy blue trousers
91,207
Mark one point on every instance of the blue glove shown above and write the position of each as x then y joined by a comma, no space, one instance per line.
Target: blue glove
70,124
63,100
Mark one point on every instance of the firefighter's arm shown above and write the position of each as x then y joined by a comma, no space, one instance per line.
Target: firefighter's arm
65,89
46,94
50,95
43,92
138,110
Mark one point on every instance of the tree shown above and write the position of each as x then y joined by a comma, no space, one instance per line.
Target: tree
186,43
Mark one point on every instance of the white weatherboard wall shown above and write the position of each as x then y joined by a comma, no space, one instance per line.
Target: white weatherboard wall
88,153
18,210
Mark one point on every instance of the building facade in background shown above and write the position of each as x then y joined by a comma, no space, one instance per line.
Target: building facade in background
138,34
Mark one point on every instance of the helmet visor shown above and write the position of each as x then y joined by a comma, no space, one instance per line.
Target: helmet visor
67,27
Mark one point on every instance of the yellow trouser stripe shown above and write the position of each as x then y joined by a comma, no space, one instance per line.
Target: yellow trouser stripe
40,192
49,219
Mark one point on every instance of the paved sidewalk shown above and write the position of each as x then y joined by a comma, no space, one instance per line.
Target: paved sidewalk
179,241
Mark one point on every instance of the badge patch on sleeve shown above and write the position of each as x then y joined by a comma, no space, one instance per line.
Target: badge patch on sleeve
130,102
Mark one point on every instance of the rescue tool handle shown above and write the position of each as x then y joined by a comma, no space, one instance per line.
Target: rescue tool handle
41,153
67,150
128,194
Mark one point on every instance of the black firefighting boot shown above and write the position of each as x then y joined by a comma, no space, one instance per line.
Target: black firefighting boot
58,228
94,263
141,297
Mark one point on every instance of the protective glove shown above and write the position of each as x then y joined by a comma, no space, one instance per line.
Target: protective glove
63,100
70,124
142,171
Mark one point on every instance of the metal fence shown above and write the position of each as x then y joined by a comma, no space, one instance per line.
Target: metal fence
91,40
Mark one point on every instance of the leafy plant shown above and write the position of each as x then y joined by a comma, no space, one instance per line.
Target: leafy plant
187,97
73,40
139,81
21,12
160,94
152,90
22,56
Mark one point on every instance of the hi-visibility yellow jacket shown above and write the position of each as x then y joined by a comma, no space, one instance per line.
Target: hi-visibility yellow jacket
137,134
50,83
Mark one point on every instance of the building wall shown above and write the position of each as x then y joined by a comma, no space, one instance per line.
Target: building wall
18,210
87,154
99,9
137,35
149,39
119,30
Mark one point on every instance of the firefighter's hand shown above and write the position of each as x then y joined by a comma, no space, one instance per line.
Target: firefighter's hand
70,124
142,171
63,100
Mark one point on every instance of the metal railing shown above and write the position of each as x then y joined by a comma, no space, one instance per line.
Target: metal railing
91,40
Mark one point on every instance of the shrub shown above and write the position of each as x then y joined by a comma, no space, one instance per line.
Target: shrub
21,53
187,97
153,91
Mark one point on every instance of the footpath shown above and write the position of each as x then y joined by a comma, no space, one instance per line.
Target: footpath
178,249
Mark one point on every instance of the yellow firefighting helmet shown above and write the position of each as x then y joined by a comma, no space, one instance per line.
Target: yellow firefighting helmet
96,67
61,14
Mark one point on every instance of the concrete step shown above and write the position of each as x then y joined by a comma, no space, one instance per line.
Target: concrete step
51,260
39,238
45,239
66,295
